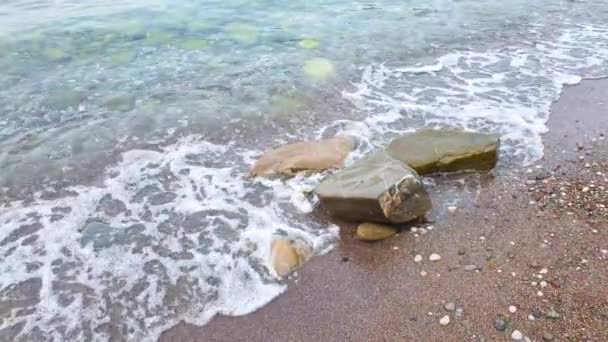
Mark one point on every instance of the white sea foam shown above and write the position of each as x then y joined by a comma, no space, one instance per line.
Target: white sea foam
202,245
507,91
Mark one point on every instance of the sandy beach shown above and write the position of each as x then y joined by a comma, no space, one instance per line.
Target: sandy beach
526,252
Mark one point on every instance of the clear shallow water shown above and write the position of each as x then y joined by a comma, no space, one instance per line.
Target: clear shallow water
146,116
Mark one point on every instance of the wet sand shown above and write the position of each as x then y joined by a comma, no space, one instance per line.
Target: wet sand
533,247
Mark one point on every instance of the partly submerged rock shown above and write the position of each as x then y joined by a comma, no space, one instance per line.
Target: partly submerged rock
377,189
303,156
374,231
287,256
431,151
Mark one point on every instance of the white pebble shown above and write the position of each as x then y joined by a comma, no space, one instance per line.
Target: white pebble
604,251
434,257
543,284
531,317
418,258
586,189
452,209
445,320
512,309
395,248
430,227
543,271
539,293
482,238
534,283
423,273
413,229
516,335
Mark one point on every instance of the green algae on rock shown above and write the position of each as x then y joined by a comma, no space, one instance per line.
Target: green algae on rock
374,232
375,189
431,151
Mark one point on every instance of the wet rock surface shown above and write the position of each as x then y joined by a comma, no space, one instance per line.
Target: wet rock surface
432,151
375,232
376,189
304,156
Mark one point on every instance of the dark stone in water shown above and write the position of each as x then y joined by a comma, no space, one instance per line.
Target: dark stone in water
102,236
112,207
162,198
63,98
20,232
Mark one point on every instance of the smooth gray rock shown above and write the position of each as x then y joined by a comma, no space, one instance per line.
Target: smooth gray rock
375,189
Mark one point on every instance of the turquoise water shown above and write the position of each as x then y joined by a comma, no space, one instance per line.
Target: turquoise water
144,117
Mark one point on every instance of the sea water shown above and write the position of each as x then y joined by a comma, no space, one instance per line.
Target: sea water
127,129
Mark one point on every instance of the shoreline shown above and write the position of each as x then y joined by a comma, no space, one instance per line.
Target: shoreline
374,292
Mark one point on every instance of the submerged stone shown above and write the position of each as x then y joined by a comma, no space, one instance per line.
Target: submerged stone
374,231
63,98
243,33
287,256
304,156
194,44
376,189
319,69
55,54
121,102
309,43
431,151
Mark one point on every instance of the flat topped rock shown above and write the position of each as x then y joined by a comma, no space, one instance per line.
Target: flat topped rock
304,156
431,151
375,189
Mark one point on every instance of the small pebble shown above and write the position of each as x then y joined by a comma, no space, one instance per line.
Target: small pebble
553,315
537,313
543,284
423,273
470,267
459,312
395,248
445,320
418,258
452,209
500,324
516,335
462,251
547,336
543,271
449,306
345,259
539,293
434,257
512,309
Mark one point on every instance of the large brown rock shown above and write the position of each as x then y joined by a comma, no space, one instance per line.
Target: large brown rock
304,156
431,151
375,189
